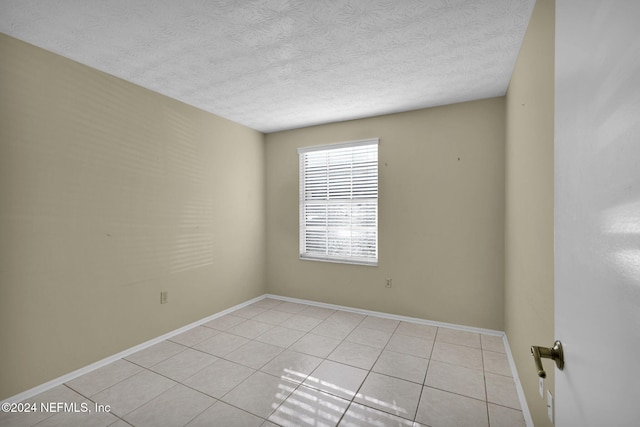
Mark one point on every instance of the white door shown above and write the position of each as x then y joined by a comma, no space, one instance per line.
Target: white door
597,212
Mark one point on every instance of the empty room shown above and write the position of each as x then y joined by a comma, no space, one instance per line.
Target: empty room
354,213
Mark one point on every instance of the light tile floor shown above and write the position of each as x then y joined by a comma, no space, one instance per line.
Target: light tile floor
277,363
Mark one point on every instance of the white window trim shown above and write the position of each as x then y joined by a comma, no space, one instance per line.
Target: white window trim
326,257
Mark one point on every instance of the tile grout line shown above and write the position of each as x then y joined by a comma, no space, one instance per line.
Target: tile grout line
424,379
484,380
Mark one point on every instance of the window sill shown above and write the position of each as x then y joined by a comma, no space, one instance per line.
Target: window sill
340,260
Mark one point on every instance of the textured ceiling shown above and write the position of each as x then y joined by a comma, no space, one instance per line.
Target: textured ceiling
281,64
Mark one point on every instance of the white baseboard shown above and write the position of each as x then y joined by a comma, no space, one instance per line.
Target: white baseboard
99,364
72,375
387,315
516,379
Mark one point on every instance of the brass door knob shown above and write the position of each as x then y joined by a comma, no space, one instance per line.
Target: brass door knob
555,353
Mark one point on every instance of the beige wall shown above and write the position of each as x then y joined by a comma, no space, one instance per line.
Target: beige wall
110,193
441,216
529,297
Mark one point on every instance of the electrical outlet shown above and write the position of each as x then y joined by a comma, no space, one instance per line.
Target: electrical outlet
164,297
550,406
541,387
388,283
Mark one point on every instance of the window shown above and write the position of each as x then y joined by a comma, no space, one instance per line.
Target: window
339,202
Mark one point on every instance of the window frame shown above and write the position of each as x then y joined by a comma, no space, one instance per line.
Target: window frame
365,204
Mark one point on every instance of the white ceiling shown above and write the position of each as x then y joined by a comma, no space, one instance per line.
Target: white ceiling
281,64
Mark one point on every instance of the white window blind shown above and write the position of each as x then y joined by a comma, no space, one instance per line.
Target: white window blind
339,202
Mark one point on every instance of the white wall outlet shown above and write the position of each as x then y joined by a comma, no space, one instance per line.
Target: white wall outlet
388,283
541,387
550,406
164,297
